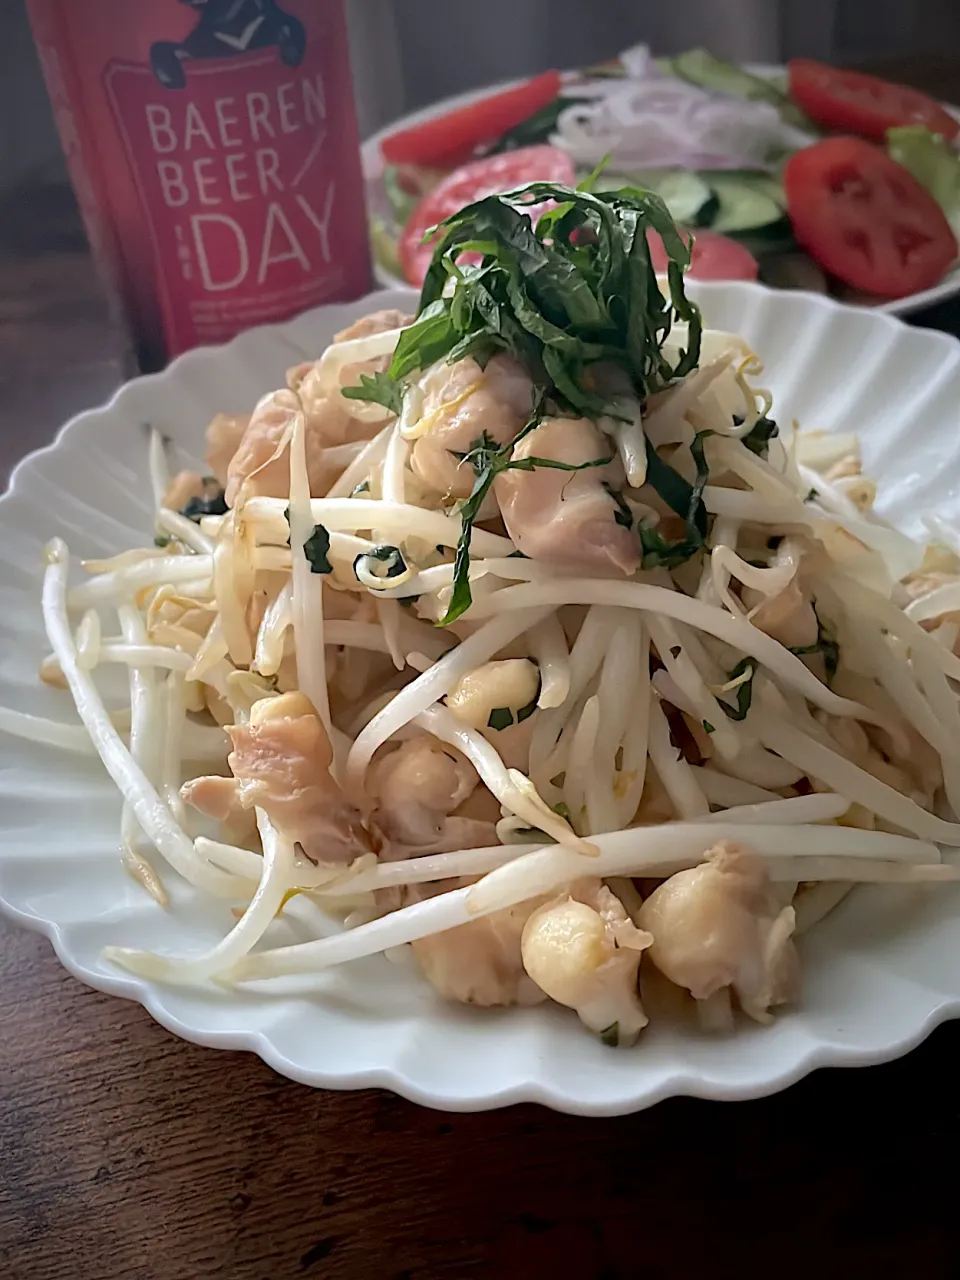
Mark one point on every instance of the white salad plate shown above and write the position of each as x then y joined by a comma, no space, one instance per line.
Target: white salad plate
879,973
374,167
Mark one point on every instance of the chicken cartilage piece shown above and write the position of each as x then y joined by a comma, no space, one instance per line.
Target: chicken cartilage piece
568,517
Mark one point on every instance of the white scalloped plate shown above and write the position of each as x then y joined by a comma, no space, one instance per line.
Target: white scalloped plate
879,973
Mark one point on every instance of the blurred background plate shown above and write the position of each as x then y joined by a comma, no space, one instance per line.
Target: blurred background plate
385,227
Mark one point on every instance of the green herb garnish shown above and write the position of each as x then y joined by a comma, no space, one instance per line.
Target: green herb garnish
503,717
611,1035
744,691
623,515
683,498
402,201
577,289
316,548
535,129
362,487
392,557
379,388
759,436
825,644
162,540
500,718
707,726
210,503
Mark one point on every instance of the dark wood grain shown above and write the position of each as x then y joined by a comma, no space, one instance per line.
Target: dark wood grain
126,1154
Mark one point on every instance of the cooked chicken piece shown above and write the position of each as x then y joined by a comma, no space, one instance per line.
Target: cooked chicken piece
512,744
655,804
267,585
583,950
918,585
844,468
462,404
459,832
259,459
720,925
177,621
376,322
223,440
219,798
480,962
788,617
417,787
483,807
218,707
919,759
568,517
184,486
929,578
853,741
281,763
261,462
334,416
939,566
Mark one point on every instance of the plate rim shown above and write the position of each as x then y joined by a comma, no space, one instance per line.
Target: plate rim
682,1078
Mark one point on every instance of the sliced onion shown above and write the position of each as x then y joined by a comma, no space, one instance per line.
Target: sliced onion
650,120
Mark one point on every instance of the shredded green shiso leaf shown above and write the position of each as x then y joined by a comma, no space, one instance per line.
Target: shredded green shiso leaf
576,291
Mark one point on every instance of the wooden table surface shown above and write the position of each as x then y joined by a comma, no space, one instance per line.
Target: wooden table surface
126,1154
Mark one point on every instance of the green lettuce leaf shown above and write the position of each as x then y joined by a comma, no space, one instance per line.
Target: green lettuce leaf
934,164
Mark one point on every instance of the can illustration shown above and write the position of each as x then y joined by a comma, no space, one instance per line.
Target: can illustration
213,148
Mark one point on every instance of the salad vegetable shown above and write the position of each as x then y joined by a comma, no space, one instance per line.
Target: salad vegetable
934,164
714,142
470,183
700,67
452,139
651,118
856,103
712,257
866,220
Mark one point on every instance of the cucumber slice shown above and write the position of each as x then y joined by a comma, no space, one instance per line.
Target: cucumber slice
744,205
383,243
401,202
684,192
701,68
766,183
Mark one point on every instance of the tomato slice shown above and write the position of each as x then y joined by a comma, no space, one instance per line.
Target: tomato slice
855,103
472,182
451,139
714,257
865,219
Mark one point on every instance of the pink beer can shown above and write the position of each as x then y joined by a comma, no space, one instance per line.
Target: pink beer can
213,148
